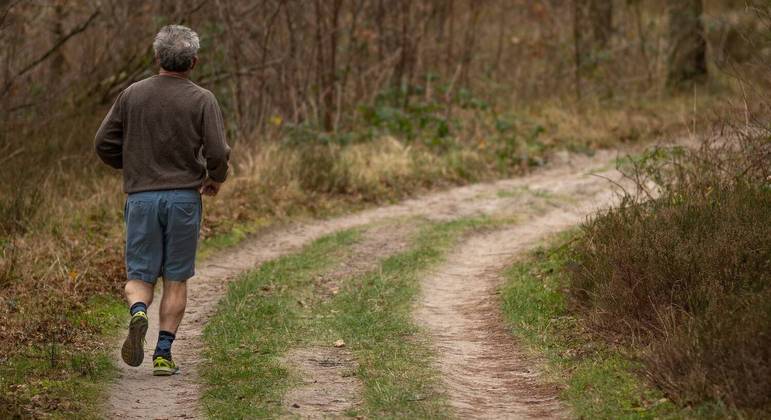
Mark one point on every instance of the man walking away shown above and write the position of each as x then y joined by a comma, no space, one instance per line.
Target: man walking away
168,136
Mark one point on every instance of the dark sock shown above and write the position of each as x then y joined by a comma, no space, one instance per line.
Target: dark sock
163,348
139,306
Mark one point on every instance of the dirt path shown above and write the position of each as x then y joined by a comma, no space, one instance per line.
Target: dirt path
485,373
136,394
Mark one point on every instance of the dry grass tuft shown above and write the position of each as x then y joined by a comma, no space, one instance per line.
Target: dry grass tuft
376,169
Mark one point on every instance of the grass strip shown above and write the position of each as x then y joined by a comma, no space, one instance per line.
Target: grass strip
275,308
600,381
230,238
257,321
373,316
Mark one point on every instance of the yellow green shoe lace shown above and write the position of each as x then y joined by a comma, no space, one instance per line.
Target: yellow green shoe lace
161,361
163,366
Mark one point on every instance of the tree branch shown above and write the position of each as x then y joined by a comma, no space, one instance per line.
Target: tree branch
4,14
80,28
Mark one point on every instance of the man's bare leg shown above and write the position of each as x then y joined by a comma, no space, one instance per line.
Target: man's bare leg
173,305
139,295
171,311
139,291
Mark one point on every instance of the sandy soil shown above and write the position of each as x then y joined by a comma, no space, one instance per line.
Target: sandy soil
136,394
485,372
329,385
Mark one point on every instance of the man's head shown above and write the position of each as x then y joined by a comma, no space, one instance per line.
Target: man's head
176,48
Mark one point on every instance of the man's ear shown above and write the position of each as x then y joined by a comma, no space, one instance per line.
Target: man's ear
195,61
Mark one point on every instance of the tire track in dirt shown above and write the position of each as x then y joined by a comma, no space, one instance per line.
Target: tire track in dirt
486,374
329,386
137,394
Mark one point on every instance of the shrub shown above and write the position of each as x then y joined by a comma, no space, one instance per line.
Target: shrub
681,270
19,206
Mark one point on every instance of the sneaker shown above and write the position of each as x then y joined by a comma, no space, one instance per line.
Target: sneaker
164,367
133,350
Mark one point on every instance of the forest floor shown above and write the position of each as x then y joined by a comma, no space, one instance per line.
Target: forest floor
481,368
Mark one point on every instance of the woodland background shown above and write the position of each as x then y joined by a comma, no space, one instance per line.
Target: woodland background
330,105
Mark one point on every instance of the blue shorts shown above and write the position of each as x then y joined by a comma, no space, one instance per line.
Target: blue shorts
162,234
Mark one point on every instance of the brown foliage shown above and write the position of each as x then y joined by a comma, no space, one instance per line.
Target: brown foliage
315,62
686,276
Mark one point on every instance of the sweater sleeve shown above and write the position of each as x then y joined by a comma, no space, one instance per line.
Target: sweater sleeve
109,138
215,148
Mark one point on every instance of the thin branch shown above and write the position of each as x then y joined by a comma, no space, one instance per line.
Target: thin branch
80,28
6,12
617,184
12,154
192,10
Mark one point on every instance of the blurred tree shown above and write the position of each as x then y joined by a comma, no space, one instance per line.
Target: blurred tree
687,61
592,28
601,16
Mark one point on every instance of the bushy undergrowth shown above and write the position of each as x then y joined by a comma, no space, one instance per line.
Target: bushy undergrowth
681,271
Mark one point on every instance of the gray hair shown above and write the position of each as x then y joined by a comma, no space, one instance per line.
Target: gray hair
175,47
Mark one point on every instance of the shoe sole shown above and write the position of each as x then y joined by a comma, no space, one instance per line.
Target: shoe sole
133,351
164,371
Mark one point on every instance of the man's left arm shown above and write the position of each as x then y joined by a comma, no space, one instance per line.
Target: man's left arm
109,138
215,147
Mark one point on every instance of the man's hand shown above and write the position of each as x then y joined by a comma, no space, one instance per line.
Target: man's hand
210,187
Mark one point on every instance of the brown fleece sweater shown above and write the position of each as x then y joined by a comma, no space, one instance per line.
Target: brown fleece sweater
165,133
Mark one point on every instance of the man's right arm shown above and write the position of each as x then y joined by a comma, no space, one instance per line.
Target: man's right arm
109,138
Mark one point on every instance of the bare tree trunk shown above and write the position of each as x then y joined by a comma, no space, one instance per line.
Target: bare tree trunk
687,61
501,34
330,87
326,59
379,21
404,45
578,8
319,59
643,42
235,55
57,58
592,28
469,41
601,15
450,36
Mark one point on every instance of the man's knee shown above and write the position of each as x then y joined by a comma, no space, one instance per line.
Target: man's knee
139,290
175,292
174,286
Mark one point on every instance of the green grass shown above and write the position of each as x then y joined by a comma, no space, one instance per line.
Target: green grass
235,235
373,316
60,380
275,308
600,382
257,321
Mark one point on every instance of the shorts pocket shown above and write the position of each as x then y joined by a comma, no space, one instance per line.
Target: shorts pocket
186,214
137,213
